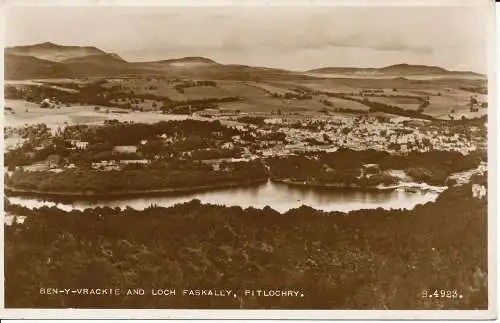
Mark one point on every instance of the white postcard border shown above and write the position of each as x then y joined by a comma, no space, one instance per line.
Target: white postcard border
493,154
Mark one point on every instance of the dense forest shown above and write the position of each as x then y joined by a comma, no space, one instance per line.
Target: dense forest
344,166
366,259
340,167
156,176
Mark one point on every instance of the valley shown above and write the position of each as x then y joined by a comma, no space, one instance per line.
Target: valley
191,171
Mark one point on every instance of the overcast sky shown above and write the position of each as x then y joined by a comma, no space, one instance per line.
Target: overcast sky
294,38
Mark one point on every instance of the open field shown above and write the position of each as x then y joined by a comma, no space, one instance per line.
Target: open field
165,88
257,97
275,89
338,103
442,102
31,113
444,95
404,103
441,107
399,83
54,118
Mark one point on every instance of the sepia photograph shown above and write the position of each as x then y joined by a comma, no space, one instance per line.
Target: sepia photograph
317,158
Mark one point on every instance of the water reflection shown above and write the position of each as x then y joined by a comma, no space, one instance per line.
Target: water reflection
280,197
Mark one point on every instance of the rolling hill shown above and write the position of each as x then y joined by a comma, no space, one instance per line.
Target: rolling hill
393,70
28,67
187,61
48,60
53,52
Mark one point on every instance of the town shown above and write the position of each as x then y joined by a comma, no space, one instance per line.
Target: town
289,186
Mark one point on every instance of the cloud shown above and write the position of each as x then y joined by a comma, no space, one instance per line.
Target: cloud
292,42
296,35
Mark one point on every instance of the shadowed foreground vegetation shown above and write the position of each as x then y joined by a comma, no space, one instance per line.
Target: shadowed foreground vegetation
367,259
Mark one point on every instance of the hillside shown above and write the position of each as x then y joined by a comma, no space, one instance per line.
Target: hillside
48,60
413,69
393,70
53,52
27,67
186,61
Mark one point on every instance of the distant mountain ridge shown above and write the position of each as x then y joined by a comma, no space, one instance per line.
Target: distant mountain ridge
49,60
189,59
393,70
53,52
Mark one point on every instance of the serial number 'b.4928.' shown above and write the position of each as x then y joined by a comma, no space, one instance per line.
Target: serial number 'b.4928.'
441,293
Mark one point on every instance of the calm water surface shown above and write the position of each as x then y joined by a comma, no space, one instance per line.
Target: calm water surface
280,197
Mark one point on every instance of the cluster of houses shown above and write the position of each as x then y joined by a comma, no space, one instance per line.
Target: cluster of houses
49,104
109,165
370,133
311,135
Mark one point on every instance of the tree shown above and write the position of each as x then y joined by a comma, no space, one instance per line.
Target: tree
394,146
44,104
345,131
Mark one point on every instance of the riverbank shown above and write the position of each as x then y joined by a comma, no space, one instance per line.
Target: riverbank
277,196
400,185
65,195
13,191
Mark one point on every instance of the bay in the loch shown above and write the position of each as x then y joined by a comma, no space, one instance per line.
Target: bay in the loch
281,197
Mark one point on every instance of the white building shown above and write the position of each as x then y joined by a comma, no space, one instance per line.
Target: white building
478,191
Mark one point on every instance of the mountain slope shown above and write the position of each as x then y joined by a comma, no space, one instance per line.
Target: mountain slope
187,60
48,60
392,70
53,52
29,67
100,64
407,69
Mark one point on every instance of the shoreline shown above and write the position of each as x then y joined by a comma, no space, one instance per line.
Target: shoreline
414,185
13,191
